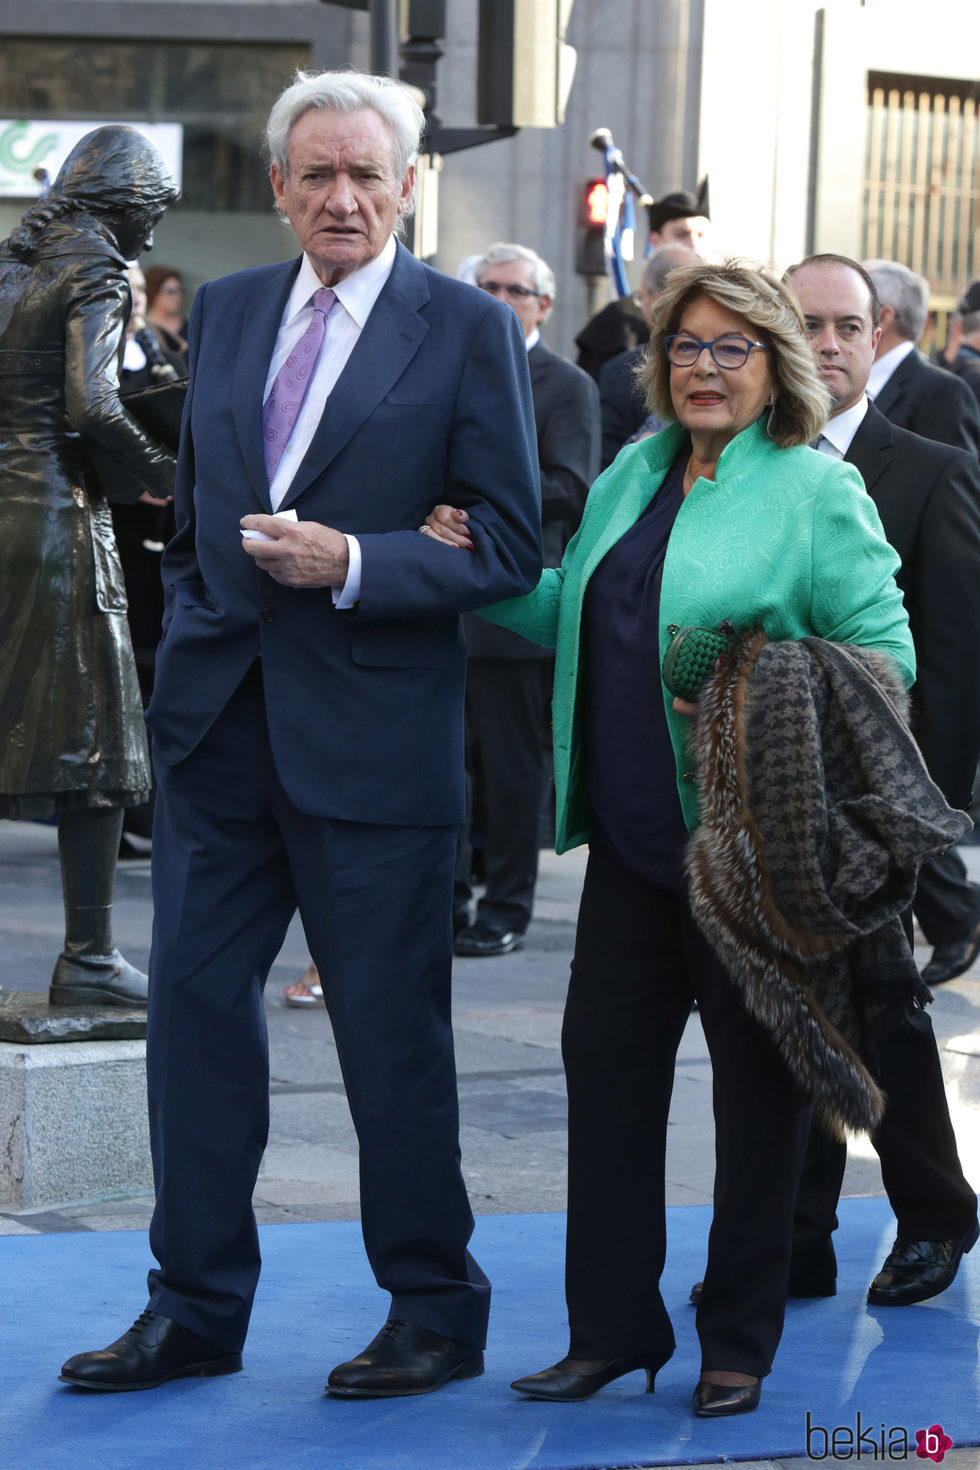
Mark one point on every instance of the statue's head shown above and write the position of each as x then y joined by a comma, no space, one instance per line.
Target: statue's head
118,175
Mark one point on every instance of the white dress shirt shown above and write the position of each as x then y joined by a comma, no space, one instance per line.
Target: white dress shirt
883,367
356,295
134,358
835,440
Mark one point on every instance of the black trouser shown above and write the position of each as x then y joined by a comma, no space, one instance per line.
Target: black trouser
946,903
506,713
639,961
920,1166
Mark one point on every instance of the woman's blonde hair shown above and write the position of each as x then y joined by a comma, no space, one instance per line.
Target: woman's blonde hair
772,311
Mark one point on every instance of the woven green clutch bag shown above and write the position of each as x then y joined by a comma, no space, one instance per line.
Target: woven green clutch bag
691,657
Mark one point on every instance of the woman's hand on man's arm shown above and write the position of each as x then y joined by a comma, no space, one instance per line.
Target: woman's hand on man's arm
447,524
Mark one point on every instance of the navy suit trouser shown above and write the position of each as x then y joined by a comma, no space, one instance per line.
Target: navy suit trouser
233,859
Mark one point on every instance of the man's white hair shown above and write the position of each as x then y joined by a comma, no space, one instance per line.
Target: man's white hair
906,293
347,92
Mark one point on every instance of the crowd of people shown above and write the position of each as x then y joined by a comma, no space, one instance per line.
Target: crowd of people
375,457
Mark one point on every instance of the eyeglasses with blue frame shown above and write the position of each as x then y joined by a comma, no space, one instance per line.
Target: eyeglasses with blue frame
729,351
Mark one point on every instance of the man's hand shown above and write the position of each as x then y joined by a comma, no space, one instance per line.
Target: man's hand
147,499
301,553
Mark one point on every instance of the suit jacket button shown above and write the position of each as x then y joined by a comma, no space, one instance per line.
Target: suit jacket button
268,615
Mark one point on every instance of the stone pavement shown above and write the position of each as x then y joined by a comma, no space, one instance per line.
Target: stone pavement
507,1021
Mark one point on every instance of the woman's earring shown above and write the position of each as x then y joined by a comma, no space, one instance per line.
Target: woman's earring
771,420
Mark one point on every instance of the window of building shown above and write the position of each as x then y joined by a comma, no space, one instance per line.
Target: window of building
219,93
922,178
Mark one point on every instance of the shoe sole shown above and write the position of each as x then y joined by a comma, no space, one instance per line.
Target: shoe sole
471,1369
195,1370
925,1296
89,995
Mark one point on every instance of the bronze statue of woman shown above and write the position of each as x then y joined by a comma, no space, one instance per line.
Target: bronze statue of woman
72,741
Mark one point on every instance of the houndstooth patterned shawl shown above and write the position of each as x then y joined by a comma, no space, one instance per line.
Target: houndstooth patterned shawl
817,813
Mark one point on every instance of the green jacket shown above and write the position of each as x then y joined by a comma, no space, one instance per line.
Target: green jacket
783,539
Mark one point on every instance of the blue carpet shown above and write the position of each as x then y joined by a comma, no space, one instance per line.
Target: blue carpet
900,1369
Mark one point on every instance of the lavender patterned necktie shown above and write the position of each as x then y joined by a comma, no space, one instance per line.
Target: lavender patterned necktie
292,383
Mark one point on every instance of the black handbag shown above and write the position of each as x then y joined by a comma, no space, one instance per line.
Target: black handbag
691,657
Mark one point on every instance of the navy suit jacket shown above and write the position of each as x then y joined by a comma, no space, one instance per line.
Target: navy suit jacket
364,708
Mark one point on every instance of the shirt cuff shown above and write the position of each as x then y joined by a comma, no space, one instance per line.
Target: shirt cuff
346,597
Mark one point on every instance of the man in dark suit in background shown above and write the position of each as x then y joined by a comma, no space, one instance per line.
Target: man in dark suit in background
307,722
508,678
623,405
914,393
965,333
928,497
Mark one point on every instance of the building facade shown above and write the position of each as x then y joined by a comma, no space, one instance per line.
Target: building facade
845,126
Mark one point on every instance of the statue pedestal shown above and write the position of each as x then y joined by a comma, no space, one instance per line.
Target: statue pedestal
72,1112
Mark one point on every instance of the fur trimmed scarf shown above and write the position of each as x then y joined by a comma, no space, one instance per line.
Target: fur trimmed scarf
816,814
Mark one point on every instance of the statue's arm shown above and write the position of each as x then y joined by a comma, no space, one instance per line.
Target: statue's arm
129,462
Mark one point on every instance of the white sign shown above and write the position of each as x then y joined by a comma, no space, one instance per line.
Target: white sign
26,147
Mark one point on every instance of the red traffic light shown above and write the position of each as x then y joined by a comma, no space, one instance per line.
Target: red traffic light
595,202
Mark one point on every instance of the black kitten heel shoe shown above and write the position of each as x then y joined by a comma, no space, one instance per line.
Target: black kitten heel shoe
715,1400
563,1384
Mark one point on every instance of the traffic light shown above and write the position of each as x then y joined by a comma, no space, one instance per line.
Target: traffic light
590,251
524,66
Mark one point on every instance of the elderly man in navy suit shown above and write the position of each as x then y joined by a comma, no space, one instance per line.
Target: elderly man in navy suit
307,724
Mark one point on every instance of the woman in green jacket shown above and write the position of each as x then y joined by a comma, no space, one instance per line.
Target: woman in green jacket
725,515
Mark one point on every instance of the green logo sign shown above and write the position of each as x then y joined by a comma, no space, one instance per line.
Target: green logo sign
11,137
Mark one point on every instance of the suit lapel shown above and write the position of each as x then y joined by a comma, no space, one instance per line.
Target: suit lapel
383,351
649,464
870,449
895,390
260,325
537,360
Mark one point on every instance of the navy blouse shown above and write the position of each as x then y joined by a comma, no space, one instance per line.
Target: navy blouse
631,772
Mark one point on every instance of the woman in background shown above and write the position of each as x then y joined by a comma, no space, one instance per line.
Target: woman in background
165,306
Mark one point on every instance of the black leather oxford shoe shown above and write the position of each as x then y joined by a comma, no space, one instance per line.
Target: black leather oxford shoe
483,940
716,1400
154,1350
404,1359
915,1270
950,960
